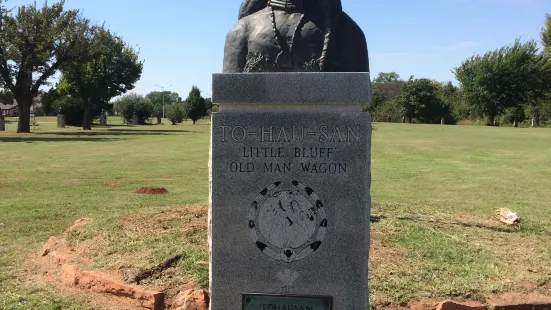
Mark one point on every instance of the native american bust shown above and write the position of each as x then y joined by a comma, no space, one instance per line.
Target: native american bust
295,35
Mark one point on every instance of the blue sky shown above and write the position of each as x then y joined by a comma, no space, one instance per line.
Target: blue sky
182,41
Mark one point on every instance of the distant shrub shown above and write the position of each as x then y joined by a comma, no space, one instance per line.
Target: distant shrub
175,113
131,104
513,114
387,112
71,108
473,122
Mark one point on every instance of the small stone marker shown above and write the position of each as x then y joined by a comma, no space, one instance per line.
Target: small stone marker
60,121
534,123
290,191
135,120
2,123
103,118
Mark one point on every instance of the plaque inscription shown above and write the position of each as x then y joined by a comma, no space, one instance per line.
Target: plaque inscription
286,302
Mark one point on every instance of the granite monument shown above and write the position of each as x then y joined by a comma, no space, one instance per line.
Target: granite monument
290,161
2,123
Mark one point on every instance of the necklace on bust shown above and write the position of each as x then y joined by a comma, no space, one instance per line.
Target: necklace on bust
285,4
284,59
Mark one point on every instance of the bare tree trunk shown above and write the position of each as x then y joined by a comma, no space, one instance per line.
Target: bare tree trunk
24,105
87,121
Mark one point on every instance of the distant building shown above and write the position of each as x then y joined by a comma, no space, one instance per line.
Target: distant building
12,110
8,110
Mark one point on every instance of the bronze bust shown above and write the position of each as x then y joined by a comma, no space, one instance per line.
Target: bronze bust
295,36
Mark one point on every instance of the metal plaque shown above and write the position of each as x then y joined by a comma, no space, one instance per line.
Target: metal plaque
286,302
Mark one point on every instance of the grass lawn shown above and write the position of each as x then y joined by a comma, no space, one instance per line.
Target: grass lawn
434,191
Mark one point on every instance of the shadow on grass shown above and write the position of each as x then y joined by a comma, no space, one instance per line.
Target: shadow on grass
138,131
376,218
108,132
53,139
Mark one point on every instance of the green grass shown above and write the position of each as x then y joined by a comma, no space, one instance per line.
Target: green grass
434,190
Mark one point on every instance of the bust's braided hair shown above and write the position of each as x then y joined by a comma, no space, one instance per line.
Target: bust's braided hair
328,20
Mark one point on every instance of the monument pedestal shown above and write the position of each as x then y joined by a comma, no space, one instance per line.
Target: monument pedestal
290,191
2,123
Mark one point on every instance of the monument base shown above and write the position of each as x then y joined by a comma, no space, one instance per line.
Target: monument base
290,194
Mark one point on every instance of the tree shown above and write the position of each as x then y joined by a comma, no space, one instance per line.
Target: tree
512,75
34,44
541,109
105,69
6,97
385,77
419,100
384,94
208,103
131,104
546,34
48,100
71,108
156,98
451,97
195,105
175,112
514,115
386,88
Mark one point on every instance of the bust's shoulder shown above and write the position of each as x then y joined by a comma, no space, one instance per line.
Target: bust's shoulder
349,28
246,23
256,18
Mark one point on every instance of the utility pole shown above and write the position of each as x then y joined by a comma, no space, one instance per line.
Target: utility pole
163,88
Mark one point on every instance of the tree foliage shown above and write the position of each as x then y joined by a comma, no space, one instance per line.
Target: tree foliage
195,105
546,34
156,98
386,77
131,104
512,75
419,101
71,108
6,97
34,43
175,112
48,101
385,92
106,68
386,88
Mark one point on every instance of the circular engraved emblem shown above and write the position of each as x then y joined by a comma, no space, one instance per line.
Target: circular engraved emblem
287,225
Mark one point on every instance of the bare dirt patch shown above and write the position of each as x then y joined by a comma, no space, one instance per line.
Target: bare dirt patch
65,265
152,190
191,220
